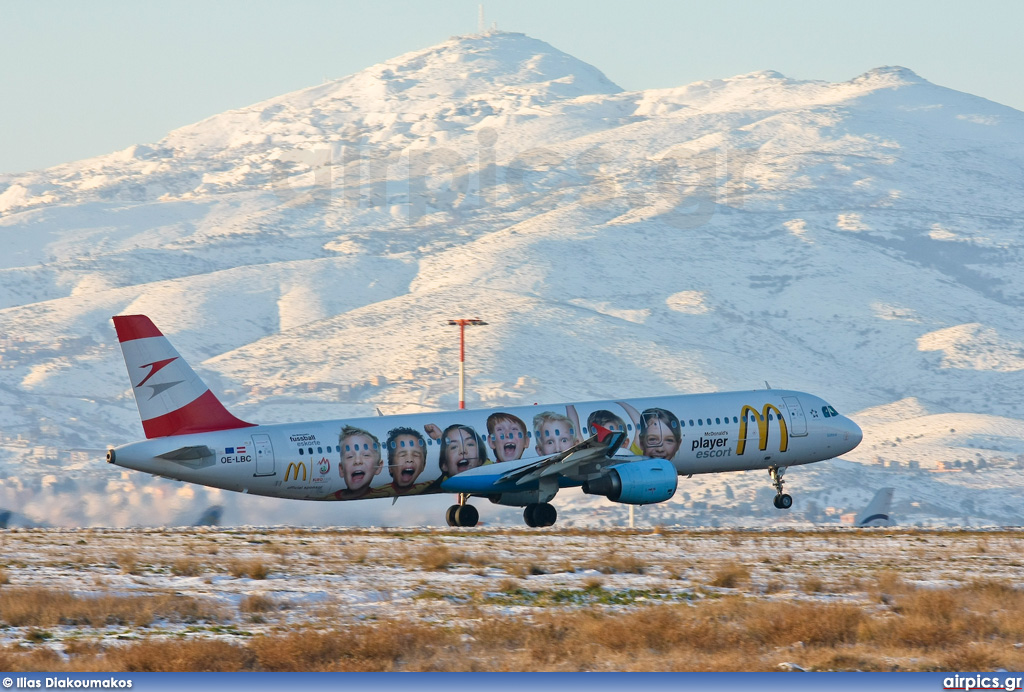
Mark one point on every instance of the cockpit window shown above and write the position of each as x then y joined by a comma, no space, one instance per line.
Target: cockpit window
833,411
825,411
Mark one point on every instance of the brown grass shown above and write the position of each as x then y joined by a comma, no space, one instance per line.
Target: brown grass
730,576
187,567
617,562
36,607
874,619
813,584
254,569
730,633
257,603
127,561
436,557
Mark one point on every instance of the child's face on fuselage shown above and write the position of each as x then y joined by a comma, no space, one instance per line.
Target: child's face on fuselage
407,460
658,441
360,461
508,440
461,452
554,436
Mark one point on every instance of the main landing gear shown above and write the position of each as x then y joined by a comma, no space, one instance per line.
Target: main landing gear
540,514
462,514
782,500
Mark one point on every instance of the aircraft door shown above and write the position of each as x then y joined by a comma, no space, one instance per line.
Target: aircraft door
795,413
264,455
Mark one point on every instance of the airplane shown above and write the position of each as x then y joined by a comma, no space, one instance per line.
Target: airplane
210,517
628,451
10,520
877,511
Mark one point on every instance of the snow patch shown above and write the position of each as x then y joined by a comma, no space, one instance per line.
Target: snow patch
974,347
851,221
688,302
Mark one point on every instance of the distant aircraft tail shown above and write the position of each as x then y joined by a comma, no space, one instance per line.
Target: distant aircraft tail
171,397
211,516
877,511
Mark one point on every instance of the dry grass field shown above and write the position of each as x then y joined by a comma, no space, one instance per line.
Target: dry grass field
500,599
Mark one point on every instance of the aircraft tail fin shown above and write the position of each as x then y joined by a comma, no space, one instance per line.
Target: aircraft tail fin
877,511
171,397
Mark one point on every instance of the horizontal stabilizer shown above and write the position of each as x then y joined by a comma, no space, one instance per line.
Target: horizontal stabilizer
194,457
187,453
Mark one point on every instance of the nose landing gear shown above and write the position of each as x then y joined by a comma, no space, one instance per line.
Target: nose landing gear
782,500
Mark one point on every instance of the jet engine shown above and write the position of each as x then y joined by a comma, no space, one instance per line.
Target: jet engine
636,483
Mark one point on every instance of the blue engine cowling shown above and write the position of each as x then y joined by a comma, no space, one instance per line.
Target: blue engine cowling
636,483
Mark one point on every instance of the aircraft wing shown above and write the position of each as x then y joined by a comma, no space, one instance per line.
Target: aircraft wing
590,452
593,449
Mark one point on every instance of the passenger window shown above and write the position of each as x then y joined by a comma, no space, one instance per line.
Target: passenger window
700,421
735,419
319,450
301,451
310,451
691,422
718,421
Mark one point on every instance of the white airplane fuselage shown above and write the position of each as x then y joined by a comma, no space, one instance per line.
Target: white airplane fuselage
302,460
630,451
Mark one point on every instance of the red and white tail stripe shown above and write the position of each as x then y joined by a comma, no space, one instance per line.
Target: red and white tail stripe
171,397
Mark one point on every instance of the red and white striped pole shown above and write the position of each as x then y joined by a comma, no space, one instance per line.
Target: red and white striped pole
462,354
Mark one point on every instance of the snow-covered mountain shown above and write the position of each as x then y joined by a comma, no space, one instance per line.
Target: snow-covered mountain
861,240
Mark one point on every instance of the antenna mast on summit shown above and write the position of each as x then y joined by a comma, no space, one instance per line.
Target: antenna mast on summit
480,26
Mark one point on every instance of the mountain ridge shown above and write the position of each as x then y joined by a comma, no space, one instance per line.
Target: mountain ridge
859,240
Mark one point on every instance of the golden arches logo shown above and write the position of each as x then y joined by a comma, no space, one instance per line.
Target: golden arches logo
292,472
762,428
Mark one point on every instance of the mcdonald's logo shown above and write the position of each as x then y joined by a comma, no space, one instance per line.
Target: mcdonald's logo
762,428
292,472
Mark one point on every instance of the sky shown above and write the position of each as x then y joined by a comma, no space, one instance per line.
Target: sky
84,79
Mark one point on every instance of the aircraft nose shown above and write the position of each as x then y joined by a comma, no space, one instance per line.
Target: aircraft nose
853,433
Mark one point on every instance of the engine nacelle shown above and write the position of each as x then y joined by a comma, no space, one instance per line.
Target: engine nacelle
636,482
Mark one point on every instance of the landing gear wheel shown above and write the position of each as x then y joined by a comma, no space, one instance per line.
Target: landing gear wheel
545,514
466,515
449,515
783,501
528,515
540,514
